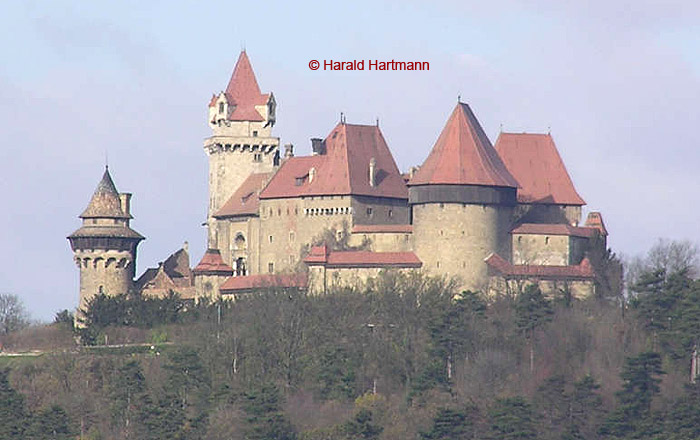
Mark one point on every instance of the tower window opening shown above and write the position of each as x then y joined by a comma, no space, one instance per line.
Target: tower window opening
255,133
546,240
369,212
390,213
270,238
271,267
221,107
257,157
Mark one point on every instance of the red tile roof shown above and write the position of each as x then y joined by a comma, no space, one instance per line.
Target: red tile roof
252,282
555,229
343,169
360,229
212,263
595,220
463,155
246,199
534,160
583,270
321,255
243,92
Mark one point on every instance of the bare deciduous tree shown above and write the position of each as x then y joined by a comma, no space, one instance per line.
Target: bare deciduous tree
13,315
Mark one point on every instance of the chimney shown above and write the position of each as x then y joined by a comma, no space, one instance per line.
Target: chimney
317,146
186,247
372,171
312,174
125,202
288,151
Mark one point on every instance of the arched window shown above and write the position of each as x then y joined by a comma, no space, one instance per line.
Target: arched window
239,242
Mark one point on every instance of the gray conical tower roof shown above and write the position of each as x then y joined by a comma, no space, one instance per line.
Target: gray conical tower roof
105,202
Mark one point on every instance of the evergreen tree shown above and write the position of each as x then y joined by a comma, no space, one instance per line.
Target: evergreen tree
361,426
264,417
51,424
532,310
512,418
449,424
126,392
13,416
640,378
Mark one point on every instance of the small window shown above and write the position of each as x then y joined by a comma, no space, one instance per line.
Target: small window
390,213
271,267
369,212
270,238
442,205
291,236
438,264
257,157
291,259
221,107
255,133
546,240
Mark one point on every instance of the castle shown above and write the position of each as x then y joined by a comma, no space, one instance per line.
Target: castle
494,217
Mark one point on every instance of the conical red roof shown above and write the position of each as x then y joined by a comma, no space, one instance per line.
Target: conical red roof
243,92
463,155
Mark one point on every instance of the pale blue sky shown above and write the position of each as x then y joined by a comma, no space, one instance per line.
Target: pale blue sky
617,81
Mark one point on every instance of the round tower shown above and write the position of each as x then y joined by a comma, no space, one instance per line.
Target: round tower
104,248
462,201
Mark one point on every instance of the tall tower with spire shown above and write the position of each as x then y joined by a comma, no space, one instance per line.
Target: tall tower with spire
104,248
241,119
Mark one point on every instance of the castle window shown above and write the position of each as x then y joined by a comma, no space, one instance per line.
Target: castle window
257,157
291,259
271,267
291,236
369,212
438,264
520,239
390,213
255,133
221,107
270,238
279,211
442,205
546,240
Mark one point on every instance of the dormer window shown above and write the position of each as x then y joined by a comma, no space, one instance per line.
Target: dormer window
221,108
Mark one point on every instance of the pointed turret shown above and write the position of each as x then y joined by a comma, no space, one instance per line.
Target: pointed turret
104,247
105,202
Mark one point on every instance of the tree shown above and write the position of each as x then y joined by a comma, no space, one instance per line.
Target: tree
13,315
532,310
126,392
449,424
51,424
263,415
512,418
640,377
13,415
361,426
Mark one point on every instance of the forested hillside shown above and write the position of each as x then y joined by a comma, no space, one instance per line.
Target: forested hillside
400,358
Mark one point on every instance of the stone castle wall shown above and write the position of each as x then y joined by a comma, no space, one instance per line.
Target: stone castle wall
453,239
108,272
